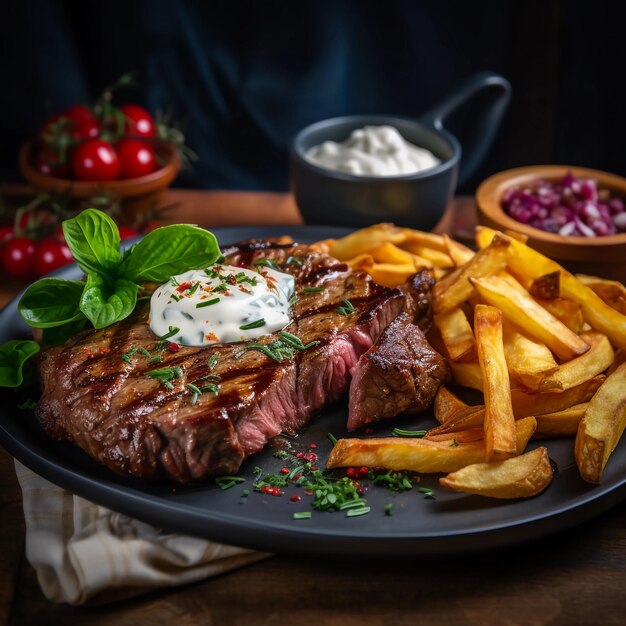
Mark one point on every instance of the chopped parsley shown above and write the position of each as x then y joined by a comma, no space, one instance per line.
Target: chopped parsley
389,509
166,375
251,325
302,515
266,263
396,481
171,332
428,493
226,482
204,303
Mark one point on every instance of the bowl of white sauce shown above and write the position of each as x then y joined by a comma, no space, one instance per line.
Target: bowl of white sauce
362,169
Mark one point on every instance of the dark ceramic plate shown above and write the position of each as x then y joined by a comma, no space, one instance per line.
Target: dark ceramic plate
451,523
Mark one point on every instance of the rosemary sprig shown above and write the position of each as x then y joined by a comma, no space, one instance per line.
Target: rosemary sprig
251,325
399,432
171,332
204,303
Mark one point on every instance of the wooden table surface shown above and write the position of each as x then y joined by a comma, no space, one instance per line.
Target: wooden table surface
575,577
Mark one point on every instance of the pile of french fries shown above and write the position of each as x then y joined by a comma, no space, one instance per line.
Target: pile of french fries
547,349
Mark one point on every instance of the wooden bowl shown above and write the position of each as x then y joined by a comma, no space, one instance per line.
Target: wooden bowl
605,256
137,195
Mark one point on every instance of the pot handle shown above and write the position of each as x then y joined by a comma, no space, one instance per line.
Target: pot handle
498,90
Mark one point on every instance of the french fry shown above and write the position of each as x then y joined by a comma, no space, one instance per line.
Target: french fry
434,257
499,420
472,417
521,309
447,405
520,477
528,360
602,426
561,423
390,275
457,335
612,292
390,253
419,455
515,235
568,312
525,403
547,286
459,253
462,436
467,374
620,357
421,238
362,241
455,288
575,372
361,262
523,260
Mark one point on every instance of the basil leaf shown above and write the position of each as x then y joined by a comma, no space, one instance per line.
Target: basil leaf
57,335
13,355
51,302
94,240
104,303
168,251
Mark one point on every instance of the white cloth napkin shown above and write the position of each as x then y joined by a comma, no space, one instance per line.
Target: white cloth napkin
85,553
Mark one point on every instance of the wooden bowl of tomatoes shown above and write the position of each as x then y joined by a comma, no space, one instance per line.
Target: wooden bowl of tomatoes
86,151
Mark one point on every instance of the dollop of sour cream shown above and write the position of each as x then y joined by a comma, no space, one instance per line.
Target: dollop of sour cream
373,151
221,304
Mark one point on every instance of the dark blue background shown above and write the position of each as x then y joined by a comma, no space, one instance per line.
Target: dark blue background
244,77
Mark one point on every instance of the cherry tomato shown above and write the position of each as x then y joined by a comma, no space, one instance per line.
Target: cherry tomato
50,254
79,113
17,257
137,158
6,233
48,162
126,232
96,160
139,123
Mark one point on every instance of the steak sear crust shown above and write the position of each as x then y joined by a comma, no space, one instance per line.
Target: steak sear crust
98,395
400,373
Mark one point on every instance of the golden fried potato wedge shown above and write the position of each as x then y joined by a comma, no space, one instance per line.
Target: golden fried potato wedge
462,436
434,257
561,423
602,426
390,275
525,403
459,253
566,311
547,286
447,405
455,288
419,455
529,361
457,334
525,261
421,238
620,357
515,235
361,262
612,292
362,241
468,419
467,374
499,420
519,307
520,477
390,253
575,372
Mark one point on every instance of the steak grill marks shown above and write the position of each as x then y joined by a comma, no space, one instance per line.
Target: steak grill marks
135,424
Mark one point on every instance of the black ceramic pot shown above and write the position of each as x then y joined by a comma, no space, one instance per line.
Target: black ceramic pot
418,200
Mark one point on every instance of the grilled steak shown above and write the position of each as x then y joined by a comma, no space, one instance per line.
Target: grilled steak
400,373
96,391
